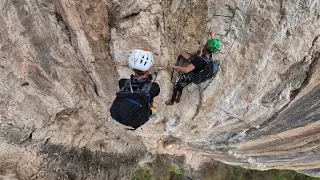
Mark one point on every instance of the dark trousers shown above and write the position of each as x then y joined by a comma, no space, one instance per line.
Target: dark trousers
184,80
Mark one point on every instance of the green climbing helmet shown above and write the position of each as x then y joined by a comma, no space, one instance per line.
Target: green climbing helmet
213,45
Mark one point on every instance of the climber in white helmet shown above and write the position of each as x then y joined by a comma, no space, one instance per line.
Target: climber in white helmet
130,107
141,61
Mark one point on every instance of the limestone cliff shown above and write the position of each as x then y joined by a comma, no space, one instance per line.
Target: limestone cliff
61,60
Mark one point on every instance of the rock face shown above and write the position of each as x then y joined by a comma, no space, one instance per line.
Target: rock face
61,60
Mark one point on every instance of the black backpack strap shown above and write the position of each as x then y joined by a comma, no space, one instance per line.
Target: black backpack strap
146,87
130,85
127,86
206,59
216,62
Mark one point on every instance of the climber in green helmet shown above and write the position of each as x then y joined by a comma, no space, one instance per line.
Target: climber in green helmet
213,45
197,64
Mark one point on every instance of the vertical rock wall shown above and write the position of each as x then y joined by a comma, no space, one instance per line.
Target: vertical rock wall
60,62
57,82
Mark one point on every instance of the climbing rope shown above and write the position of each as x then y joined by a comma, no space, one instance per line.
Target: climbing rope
245,16
209,82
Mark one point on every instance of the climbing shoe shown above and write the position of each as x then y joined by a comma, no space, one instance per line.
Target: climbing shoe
169,103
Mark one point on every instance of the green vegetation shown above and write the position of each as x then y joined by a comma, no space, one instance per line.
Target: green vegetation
142,173
170,168
220,171
147,172
289,175
174,174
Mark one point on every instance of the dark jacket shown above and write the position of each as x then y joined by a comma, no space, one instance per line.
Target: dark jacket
199,63
154,91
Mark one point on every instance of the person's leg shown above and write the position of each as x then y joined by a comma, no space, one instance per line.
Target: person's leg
184,80
180,90
177,88
179,93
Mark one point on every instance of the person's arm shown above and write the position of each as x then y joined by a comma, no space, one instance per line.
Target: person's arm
156,90
212,34
121,83
186,69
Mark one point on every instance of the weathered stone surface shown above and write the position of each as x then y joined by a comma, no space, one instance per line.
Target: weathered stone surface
60,61
57,82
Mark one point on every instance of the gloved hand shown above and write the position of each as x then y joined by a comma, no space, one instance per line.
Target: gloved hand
153,108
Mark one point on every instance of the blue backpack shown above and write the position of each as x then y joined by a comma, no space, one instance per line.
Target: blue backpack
208,72
132,105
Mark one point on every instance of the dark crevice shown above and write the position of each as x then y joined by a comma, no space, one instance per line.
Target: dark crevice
47,140
113,15
215,15
25,84
294,93
130,16
282,10
281,4
64,115
200,102
30,136
95,87
170,140
164,21
232,10
288,33
158,25
63,25
28,139
66,30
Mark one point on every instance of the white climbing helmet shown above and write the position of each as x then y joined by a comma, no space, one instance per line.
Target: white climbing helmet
141,60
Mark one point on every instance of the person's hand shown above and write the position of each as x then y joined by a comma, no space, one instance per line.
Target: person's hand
211,34
173,66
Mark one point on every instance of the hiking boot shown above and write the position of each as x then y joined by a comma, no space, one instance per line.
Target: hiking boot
169,103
